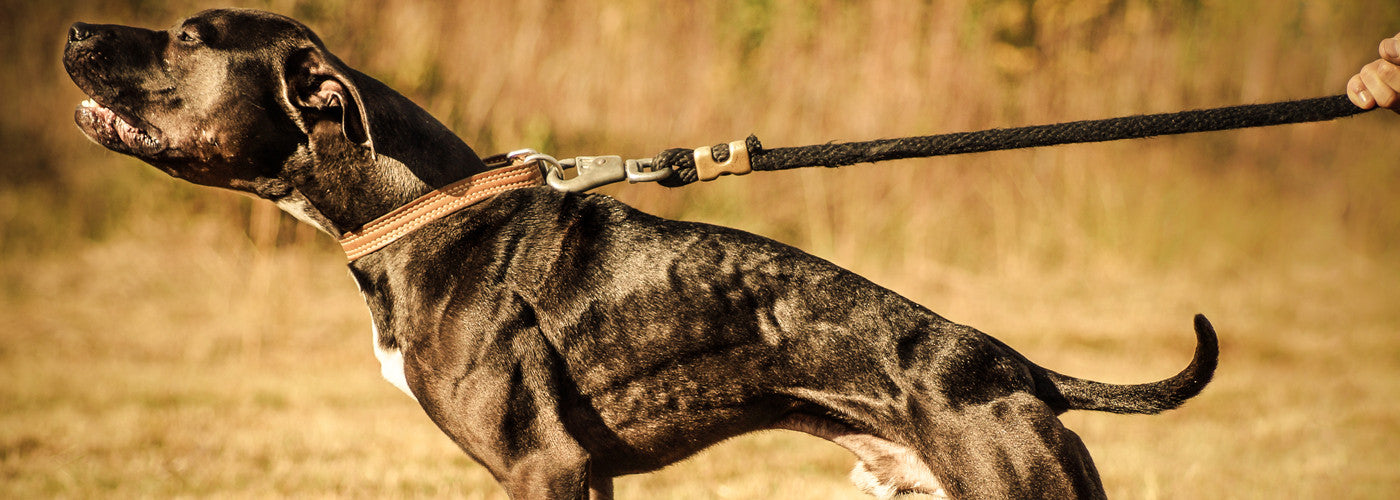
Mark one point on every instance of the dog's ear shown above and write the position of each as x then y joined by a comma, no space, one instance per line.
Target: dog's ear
315,83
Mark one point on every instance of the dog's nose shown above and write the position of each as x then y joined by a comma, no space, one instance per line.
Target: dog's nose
79,32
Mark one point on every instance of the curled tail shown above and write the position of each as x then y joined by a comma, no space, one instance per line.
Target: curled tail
1071,393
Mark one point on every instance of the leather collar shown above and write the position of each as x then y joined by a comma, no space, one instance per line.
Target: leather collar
437,204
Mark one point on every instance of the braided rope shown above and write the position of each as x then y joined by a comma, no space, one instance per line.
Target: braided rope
1111,129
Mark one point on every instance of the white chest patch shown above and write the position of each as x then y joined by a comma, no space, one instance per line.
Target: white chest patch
391,364
390,360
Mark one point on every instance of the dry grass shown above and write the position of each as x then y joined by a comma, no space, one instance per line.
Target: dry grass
162,340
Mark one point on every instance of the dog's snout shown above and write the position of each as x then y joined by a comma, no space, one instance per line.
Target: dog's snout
80,32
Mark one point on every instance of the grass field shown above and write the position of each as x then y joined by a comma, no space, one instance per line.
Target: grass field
162,340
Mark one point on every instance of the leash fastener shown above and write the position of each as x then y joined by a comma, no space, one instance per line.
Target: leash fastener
595,171
551,166
644,170
707,169
590,172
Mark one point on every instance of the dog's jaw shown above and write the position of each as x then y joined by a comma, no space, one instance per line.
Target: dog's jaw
113,131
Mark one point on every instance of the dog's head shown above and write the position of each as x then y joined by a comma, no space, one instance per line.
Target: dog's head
221,99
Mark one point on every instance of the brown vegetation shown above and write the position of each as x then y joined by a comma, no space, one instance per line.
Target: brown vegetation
158,339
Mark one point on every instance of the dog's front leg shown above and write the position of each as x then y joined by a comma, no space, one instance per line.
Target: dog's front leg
504,419
599,487
555,473
495,391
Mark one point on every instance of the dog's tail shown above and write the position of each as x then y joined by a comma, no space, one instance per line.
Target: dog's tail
1078,394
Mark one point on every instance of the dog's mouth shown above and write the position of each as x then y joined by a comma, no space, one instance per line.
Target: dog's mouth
116,131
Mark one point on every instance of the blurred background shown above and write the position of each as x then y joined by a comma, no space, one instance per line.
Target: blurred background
159,339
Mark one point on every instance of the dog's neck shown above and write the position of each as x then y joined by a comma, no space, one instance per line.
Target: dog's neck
339,186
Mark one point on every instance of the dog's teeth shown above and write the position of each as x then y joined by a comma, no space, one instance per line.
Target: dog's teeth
89,103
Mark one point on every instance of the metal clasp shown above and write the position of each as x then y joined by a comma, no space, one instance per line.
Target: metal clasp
643,171
595,171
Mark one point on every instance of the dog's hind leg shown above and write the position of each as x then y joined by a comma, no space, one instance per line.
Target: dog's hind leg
1009,447
884,469
887,470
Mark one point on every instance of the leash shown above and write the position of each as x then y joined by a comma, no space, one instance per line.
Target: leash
678,167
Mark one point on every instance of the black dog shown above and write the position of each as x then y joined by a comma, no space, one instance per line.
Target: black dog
562,340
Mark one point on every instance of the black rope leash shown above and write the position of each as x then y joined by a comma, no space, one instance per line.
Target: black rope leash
682,161
680,166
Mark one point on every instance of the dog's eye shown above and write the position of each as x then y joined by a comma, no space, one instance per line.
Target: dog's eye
187,37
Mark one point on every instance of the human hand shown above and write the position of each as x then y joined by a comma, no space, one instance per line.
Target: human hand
1378,83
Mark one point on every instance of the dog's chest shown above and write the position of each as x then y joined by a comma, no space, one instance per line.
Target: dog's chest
390,363
390,360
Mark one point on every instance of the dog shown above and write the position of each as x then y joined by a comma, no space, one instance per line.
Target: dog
565,339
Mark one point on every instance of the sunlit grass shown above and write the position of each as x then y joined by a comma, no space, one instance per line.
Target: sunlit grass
138,369
162,340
